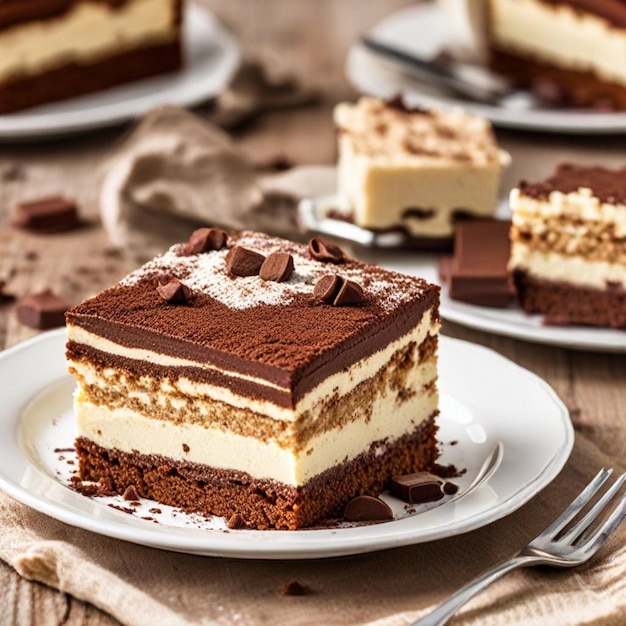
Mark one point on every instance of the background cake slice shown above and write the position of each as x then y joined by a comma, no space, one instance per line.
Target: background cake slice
415,170
572,50
253,375
57,49
568,254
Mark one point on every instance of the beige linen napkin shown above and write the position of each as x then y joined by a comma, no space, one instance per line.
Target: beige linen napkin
176,171
141,586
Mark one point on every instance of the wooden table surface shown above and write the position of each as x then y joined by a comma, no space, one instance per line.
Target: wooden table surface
310,38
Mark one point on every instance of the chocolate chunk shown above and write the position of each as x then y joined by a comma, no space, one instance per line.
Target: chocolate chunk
131,493
186,448
338,291
42,310
236,522
327,287
278,267
243,262
417,488
478,273
295,588
174,292
367,509
450,488
325,251
48,215
349,293
205,240
5,296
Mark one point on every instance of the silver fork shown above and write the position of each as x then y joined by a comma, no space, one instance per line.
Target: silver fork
552,547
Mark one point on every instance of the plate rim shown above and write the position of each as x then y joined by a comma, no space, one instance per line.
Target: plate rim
187,540
24,126
563,121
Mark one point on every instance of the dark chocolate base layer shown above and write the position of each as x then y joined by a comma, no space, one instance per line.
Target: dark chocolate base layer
563,303
572,87
74,79
264,504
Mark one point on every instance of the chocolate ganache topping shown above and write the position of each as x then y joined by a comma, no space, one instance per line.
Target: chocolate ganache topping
607,185
264,330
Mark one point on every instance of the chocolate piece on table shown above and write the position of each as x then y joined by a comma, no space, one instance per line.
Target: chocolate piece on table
244,262
367,509
47,215
278,267
42,310
417,488
477,273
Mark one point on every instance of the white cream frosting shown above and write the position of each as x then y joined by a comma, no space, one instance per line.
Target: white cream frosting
88,31
340,383
560,35
575,270
128,431
579,205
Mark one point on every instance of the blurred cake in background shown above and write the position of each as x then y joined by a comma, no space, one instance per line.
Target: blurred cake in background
571,50
415,170
568,246
57,49
566,51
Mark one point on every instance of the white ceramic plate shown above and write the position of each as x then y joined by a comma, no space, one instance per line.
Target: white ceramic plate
211,57
385,250
485,399
421,30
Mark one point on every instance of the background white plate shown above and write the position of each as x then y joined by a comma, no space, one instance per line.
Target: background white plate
513,322
485,399
211,55
421,30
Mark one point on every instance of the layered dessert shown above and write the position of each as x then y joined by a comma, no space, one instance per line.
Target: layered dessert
415,170
58,49
239,374
571,50
568,246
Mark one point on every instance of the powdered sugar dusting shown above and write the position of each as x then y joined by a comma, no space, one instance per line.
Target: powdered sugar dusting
207,273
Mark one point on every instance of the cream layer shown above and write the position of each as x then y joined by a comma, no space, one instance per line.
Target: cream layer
87,32
381,193
575,270
560,35
338,384
131,431
580,205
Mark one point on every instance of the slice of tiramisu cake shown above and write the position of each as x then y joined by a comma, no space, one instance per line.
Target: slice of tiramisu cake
56,49
244,374
568,251
415,170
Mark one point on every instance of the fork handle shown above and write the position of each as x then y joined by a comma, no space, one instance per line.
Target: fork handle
450,606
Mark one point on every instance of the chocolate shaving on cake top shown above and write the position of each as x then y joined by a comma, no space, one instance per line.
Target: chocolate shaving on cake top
607,185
